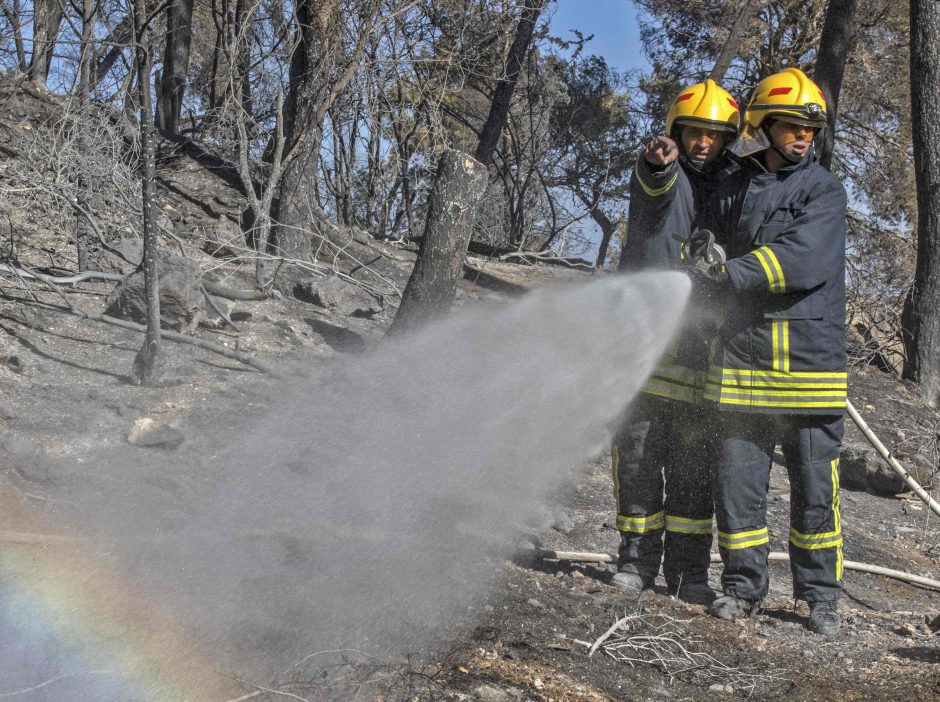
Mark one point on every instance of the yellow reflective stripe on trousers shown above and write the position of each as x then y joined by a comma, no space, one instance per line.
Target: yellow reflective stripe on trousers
815,545
780,338
743,539
614,469
656,192
828,539
641,525
684,525
837,512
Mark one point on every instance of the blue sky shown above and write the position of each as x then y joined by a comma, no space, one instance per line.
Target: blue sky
614,26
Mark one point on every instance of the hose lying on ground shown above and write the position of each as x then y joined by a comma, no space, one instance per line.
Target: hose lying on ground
586,557
891,460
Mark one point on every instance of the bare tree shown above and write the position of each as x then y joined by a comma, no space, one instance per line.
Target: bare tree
146,363
11,11
922,315
322,65
499,107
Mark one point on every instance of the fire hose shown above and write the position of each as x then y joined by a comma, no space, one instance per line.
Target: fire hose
587,557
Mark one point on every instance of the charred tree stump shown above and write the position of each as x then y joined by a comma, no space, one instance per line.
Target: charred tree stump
457,191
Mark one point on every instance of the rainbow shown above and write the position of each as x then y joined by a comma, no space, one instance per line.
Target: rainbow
73,628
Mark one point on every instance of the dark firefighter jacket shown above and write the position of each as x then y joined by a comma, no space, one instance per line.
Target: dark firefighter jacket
781,347
663,213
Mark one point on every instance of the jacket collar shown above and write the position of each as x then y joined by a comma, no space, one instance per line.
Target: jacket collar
756,162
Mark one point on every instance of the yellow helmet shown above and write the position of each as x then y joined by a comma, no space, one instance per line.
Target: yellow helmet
790,96
706,104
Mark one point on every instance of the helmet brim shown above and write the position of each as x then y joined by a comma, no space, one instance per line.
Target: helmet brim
795,119
706,123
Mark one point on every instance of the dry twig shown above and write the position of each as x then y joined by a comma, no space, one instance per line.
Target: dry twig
665,643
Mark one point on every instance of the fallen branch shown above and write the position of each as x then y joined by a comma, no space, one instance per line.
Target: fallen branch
182,339
233,293
170,335
218,310
63,279
607,634
587,557
547,257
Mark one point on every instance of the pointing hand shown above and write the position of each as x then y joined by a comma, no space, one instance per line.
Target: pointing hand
661,151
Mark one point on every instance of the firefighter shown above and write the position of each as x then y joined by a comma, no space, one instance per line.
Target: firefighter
778,373
660,445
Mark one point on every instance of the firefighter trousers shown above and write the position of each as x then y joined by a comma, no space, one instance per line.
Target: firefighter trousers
810,446
663,446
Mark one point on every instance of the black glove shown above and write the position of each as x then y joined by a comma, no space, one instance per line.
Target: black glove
708,279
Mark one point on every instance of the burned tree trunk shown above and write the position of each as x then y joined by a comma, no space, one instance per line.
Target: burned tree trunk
457,191
179,36
922,313
46,22
146,362
830,66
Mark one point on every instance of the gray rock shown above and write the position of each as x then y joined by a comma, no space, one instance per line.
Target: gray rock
884,481
131,249
854,465
223,239
7,411
150,433
338,296
182,303
861,467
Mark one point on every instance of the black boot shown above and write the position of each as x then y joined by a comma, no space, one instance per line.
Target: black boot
730,607
824,617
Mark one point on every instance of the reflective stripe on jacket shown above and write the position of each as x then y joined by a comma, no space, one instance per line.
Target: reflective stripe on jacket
782,343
